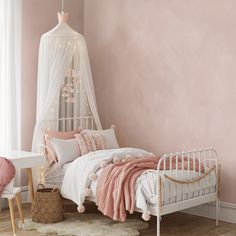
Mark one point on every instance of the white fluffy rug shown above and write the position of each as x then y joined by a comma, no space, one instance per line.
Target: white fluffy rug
88,225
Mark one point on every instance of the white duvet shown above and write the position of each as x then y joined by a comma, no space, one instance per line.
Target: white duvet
76,179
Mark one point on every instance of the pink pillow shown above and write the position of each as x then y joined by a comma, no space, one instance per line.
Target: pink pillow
82,144
99,141
91,145
52,157
6,174
90,142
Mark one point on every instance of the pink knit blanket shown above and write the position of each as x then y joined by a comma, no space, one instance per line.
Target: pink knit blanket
115,192
7,172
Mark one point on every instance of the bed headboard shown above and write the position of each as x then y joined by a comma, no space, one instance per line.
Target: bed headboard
70,123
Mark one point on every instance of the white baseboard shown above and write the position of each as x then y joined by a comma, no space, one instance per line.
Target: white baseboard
227,211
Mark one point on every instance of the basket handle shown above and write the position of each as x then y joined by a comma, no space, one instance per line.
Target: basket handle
41,186
54,189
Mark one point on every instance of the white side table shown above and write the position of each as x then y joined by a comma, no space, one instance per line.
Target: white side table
25,160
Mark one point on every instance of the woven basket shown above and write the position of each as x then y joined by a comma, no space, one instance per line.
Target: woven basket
47,206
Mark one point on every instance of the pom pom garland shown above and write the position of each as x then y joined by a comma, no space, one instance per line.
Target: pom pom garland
81,209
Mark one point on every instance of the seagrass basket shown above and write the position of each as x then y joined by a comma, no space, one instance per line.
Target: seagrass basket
47,206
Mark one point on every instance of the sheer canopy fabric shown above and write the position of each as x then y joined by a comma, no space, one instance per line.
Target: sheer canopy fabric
60,49
10,74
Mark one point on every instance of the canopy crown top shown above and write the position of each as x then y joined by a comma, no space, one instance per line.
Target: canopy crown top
62,16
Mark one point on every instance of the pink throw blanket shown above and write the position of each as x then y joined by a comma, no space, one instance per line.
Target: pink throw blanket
115,192
7,172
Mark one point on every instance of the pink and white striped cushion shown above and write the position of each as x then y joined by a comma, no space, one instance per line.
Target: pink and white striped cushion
90,142
82,144
99,142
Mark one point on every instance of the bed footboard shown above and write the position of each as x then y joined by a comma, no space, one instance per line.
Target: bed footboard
185,180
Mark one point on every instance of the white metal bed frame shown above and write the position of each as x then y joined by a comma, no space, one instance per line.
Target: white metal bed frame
207,158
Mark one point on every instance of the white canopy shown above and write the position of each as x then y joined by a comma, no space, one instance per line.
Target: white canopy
63,66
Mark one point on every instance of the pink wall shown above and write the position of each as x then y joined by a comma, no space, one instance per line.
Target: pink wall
164,73
39,17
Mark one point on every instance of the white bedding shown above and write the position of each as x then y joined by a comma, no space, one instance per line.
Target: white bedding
77,173
76,178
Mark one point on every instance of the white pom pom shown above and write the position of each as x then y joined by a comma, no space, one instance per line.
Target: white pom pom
103,164
88,192
151,154
146,216
93,177
81,209
116,159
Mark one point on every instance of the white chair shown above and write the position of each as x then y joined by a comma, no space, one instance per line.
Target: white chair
10,192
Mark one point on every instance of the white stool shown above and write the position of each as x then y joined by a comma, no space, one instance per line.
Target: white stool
10,192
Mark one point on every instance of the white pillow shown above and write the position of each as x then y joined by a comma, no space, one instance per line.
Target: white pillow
66,150
109,137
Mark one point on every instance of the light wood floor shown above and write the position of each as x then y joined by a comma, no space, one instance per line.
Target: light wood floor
172,225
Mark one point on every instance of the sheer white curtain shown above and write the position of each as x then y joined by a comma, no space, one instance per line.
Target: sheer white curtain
10,70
